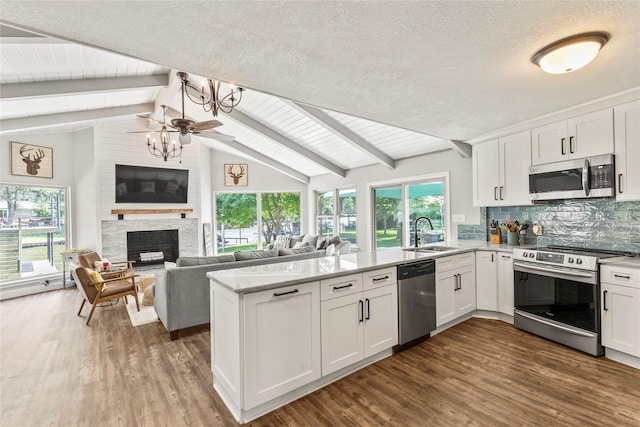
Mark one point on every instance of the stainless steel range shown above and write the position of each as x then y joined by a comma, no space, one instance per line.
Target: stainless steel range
557,294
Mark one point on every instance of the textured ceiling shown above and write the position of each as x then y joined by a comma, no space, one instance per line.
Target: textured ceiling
453,69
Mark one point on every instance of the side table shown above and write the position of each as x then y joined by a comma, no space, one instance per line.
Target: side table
71,257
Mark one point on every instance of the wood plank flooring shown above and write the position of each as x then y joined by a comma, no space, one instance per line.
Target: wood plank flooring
56,371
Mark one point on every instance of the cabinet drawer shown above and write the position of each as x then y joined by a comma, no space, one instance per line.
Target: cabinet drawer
624,276
378,278
339,286
455,261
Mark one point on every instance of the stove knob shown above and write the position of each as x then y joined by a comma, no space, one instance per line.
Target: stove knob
578,261
570,260
531,255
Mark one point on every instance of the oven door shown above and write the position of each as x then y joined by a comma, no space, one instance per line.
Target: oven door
560,304
561,295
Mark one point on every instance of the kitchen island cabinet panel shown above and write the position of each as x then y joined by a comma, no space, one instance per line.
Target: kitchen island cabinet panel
282,341
342,332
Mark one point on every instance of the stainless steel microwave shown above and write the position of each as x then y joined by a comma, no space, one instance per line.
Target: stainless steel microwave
573,179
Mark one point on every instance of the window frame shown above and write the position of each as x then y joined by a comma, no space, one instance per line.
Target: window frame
335,217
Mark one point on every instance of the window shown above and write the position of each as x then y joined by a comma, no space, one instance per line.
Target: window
32,231
396,209
240,228
336,210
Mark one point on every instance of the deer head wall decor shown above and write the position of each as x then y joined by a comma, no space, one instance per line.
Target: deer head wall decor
236,176
32,164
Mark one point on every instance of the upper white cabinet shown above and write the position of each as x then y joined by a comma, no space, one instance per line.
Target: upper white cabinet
627,150
583,136
501,171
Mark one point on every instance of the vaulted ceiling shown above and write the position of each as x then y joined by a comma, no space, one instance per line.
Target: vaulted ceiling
355,83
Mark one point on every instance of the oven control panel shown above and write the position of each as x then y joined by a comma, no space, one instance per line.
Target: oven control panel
556,258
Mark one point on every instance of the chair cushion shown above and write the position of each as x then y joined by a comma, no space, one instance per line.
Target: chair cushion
116,287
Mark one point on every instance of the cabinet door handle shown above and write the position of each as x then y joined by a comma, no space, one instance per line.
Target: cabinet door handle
495,193
501,188
622,276
571,144
336,288
459,281
620,183
505,256
285,293
491,257
562,141
378,279
368,309
360,311
604,301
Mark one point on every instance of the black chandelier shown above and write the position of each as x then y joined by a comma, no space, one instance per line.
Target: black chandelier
208,94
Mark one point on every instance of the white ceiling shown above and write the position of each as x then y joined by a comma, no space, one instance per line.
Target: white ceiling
456,70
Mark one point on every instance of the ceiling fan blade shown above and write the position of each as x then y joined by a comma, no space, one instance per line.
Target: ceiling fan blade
152,131
209,124
161,123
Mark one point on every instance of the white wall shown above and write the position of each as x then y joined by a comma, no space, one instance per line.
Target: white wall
460,187
261,178
84,215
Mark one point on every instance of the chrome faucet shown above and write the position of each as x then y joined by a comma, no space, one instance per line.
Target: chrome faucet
416,239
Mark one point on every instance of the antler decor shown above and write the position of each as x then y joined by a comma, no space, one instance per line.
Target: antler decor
31,160
235,176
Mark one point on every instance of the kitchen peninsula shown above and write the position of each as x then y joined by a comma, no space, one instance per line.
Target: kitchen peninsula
280,331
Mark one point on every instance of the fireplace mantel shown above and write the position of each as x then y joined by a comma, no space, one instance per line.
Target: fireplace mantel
122,212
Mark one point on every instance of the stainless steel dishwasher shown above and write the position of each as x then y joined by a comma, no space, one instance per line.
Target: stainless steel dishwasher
416,300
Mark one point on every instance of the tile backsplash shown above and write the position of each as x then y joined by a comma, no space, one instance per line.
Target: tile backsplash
595,223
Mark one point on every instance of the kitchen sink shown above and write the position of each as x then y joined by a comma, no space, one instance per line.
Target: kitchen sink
431,249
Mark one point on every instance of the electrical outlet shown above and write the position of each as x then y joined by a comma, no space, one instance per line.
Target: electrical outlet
458,218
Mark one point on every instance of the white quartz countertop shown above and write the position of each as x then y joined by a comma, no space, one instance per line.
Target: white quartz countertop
271,276
623,261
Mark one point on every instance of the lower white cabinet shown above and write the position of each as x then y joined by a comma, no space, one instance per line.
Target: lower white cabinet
620,309
281,341
358,324
455,287
505,283
486,280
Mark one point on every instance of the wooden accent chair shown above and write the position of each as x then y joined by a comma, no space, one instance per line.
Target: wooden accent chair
97,289
124,268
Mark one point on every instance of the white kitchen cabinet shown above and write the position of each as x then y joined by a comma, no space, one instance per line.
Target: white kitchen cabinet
505,283
360,322
584,136
455,287
620,309
486,280
627,150
281,341
501,171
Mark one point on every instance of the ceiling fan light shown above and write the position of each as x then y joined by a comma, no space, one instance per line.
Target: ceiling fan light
184,138
571,53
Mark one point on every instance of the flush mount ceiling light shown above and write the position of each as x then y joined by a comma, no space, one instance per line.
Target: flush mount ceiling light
571,53
208,94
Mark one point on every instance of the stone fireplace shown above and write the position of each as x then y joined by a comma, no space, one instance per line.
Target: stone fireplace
115,236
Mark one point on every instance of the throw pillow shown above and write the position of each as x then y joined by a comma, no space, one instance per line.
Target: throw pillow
334,240
296,239
299,245
322,243
312,239
331,250
95,276
302,250
282,242
169,265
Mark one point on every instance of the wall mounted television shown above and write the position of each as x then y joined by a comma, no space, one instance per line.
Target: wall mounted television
138,184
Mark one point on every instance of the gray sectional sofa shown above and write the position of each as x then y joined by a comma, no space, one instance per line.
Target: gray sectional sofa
181,293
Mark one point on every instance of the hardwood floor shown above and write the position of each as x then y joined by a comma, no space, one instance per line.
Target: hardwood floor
55,370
